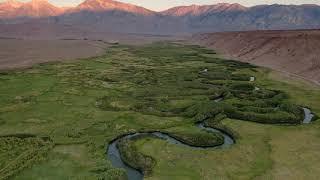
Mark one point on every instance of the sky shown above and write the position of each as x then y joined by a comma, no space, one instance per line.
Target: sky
159,5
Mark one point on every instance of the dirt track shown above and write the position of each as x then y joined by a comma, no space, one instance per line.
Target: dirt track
294,52
16,53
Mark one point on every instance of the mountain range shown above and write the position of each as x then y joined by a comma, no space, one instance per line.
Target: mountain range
113,16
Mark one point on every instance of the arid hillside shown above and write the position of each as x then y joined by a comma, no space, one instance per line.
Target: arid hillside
294,52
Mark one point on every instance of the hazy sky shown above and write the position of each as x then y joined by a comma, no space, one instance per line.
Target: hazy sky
165,4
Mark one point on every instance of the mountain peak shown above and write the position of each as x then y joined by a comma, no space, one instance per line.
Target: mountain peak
105,5
12,3
233,6
197,9
8,8
39,3
37,8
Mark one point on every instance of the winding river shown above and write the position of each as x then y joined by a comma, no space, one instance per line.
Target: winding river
115,158
308,116
134,174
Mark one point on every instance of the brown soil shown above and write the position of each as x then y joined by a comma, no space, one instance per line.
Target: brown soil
15,53
293,52
22,45
45,31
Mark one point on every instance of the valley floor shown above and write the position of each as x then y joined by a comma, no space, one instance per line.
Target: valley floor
57,119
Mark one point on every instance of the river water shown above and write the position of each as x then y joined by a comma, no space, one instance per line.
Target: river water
133,174
308,116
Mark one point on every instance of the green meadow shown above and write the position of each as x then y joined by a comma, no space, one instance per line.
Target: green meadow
57,119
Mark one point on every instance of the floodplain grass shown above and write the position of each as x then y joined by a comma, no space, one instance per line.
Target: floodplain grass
159,87
262,151
19,151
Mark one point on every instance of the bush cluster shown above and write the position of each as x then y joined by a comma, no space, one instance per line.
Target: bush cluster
203,139
21,151
131,156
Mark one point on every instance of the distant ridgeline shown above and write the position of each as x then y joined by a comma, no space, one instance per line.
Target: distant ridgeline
112,16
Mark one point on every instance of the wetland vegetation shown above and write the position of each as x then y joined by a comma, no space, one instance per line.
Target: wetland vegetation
84,105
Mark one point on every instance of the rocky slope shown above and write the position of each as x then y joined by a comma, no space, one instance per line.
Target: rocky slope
295,52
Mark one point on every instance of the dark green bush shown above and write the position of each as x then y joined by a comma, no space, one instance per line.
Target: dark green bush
203,110
19,151
239,86
294,109
240,77
264,94
270,118
131,156
203,139
257,109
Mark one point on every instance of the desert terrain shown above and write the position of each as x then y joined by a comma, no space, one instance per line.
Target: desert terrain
292,52
17,53
21,47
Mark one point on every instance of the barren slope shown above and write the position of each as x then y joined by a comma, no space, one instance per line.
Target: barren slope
295,52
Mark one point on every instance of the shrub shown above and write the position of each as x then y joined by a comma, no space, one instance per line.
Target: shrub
240,77
21,151
257,109
203,110
202,139
242,86
215,75
270,118
131,156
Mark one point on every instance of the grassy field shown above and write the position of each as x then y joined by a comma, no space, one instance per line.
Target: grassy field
82,105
